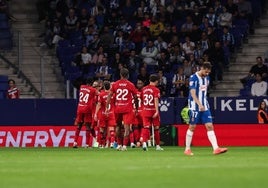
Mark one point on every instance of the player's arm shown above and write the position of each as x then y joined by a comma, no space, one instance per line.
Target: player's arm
108,101
98,106
156,103
136,102
193,94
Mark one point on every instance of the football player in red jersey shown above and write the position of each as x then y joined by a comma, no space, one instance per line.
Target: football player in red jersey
107,121
150,95
94,142
84,110
125,92
135,128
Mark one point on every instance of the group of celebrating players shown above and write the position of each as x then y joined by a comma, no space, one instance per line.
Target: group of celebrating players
122,113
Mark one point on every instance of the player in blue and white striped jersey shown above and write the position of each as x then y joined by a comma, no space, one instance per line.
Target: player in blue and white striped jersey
199,109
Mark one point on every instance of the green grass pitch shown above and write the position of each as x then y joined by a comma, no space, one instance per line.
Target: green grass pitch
240,167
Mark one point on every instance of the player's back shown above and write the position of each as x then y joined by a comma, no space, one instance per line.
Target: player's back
148,95
103,95
124,91
86,98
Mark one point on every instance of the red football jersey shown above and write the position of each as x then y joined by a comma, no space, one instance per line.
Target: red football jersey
13,93
102,100
86,98
124,91
148,95
139,102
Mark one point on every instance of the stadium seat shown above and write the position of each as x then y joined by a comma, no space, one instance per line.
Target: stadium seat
3,78
3,17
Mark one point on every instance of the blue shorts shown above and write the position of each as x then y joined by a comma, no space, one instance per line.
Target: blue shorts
200,117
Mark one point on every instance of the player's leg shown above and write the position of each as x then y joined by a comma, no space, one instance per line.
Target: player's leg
88,131
78,123
118,130
111,132
194,116
207,120
127,119
126,137
145,133
131,136
156,125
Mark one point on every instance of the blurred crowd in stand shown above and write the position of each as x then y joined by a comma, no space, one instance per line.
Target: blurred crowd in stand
169,37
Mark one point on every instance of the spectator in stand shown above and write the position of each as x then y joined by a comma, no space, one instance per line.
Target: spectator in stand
197,15
100,18
98,56
205,24
187,68
204,41
167,34
149,53
212,18
133,63
225,18
258,68
137,34
195,34
128,10
127,46
187,26
113,19
92,22
177,55
83,19
124,26
106,38
163,62
211,35
156,28
12,92
188,46
232,8
85,60
103,70
95,44
147,21
53,34
143,75
96,9
245,12
162,85
71,22
228,42
160,44
89,34
259,87
262,115
116,62
178,81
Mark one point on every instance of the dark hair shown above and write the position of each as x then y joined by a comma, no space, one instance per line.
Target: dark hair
206,65
11,80
153,78
106,85
124,73
89,80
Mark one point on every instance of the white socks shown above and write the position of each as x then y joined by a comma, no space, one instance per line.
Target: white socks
188,139
212,138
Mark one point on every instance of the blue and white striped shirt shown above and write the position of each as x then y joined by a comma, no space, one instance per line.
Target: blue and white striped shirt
201,86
